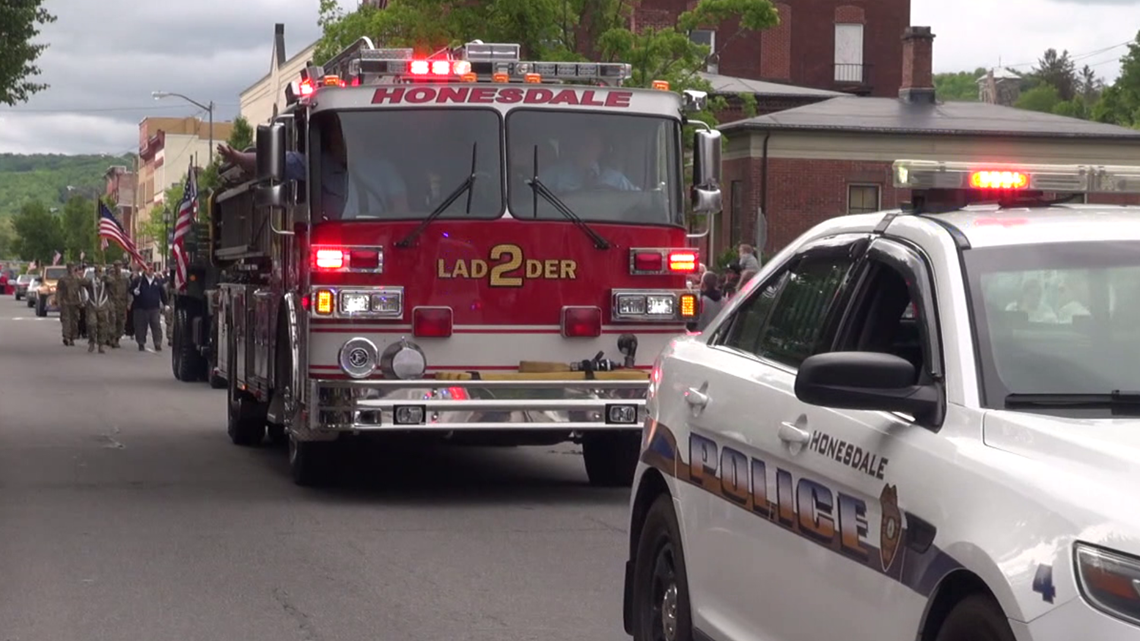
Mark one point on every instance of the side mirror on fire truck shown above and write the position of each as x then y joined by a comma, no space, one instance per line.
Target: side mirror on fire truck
271,152
693,101
706,196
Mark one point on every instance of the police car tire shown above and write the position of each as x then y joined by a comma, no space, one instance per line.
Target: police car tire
978,617
660,534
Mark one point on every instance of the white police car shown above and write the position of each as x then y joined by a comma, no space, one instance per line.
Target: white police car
909,425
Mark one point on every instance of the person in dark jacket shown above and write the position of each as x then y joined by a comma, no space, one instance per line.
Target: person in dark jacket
711,302
150,300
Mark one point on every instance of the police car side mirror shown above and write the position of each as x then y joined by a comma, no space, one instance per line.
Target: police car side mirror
869,381
271,152
706,196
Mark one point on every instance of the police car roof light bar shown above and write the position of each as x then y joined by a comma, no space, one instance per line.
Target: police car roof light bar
1013,178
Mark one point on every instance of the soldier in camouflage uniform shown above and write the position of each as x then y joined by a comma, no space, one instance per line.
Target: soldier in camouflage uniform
68,297
117,285
98,311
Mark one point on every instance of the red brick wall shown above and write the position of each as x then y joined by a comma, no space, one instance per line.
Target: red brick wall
803,193
801,50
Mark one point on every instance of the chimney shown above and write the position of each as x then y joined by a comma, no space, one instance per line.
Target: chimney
917,70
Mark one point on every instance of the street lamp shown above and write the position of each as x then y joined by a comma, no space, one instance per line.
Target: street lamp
159,95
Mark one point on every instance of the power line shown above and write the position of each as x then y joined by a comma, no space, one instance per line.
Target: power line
80,110
1076,56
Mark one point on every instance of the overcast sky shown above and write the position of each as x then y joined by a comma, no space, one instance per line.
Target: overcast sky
102,78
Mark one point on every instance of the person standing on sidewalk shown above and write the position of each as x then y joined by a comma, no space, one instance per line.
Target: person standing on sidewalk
98,311
149,300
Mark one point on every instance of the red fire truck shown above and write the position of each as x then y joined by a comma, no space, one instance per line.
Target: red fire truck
464,245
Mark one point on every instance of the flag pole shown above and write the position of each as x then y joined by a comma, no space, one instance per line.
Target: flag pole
102,252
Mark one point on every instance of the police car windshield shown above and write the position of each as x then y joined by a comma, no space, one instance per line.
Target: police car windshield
604,167
401,164
1059,318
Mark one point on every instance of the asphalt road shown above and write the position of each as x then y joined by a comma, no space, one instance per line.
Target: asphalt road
127,515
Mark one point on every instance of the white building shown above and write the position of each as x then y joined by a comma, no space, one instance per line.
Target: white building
266,97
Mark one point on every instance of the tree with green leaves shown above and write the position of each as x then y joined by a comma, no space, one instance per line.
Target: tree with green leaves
1057,71
1119,104
556,30
78,223
39,233
241,136
20,22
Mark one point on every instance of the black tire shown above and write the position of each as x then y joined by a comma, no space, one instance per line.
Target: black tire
245,426
660,580
188,363
276,434
31,302
217,381
611,458
41,307
978,617
310,462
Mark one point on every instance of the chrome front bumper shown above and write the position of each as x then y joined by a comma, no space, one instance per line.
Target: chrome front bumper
573,406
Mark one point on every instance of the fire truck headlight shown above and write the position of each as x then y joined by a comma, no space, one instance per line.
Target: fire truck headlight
359,357
631,304
353,303
660,305
387,303
403,360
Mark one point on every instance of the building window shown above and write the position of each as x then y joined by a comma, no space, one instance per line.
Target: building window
863,199
849,53
736,209
707,37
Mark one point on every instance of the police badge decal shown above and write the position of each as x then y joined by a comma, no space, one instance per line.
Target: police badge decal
890,530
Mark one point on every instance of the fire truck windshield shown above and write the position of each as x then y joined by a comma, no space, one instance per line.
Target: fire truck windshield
401,164
605,168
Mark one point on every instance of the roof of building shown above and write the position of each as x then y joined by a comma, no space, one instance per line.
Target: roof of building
1001,74
894,116
729,84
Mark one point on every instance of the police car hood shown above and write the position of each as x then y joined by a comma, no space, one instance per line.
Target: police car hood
1088,467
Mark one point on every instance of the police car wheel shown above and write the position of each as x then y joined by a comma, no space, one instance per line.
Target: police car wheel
661,609
976,618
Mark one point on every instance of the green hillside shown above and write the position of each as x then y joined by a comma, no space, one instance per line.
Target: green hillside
46,177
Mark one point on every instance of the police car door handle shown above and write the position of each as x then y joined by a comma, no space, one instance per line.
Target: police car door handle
696,397
791,433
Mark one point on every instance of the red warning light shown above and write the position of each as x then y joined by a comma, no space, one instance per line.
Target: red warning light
999,180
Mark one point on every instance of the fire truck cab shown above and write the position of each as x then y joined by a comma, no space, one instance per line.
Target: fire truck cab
464,246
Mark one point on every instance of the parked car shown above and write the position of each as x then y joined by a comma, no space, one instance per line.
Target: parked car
22,282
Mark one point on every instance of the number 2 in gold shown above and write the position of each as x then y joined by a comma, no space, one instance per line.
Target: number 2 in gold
514,259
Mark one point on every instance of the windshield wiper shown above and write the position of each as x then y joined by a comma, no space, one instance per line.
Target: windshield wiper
1116,400
466,186
541,189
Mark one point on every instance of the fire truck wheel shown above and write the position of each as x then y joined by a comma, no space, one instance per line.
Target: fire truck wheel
187,361
611,458
310,462
276,434
246,428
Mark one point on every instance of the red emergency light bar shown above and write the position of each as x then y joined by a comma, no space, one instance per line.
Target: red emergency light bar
439,68
999,180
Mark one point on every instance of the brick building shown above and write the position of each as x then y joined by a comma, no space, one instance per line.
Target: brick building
842,45
807,164
121,184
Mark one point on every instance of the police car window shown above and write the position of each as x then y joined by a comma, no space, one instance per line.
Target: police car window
797,320
884,318
747,324
1056,319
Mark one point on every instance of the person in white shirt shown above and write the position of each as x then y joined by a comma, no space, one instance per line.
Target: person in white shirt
1032,302
749,261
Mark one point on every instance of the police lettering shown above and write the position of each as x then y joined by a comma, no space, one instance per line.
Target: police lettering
501,96
506,266
806,507
848,454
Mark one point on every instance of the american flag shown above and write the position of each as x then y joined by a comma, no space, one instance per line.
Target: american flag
109,228
187,213
55,261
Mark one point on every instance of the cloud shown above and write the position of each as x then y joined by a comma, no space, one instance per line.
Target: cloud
101,79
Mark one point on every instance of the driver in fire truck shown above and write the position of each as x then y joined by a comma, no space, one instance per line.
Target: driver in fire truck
381,188
581,166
